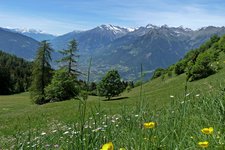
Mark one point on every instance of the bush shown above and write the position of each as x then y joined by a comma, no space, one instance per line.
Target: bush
62,87
180,67
158,72
203,66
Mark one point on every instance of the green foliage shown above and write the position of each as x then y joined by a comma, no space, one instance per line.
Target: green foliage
221,44
41,73
200,63
5,81
180,67
203,66
158,72
64,84
15,74
68,60
62,87
110,85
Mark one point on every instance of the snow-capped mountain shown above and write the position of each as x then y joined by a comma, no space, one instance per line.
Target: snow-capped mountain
38,35
89,40
124,48
116,29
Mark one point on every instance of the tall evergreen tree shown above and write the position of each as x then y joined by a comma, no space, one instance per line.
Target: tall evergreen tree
64,84
41,73
69,61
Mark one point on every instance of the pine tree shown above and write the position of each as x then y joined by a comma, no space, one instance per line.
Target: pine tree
41,73
64,84
69,61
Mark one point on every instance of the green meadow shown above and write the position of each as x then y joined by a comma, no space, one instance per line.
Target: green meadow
179,117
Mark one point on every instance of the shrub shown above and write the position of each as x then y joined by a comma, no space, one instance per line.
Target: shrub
158,72
62,87
203,66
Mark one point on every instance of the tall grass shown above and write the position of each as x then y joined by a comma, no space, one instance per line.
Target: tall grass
178,127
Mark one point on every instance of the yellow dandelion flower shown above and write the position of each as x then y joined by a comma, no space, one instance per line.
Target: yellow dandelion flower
203,144
207,130
107,146
149,125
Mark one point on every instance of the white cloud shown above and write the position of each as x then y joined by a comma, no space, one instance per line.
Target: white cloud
188,16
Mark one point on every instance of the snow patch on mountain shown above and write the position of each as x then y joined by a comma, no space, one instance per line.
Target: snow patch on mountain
116,29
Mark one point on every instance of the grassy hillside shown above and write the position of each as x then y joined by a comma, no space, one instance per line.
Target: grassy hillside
77,124
18,115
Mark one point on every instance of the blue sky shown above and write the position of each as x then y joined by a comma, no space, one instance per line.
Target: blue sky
62,16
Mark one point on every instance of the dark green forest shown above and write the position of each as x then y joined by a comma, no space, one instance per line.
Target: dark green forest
15,74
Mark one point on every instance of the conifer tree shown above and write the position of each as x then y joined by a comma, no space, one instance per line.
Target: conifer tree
41,73
69,60
64,84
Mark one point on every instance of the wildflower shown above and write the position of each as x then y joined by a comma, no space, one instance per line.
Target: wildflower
47,145
34,145
54,131
107,146
171,96
66,132
207,130
36,138
187,94
97,129
203,144
149,124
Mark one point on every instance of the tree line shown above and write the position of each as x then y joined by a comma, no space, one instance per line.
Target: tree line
48,85
15,74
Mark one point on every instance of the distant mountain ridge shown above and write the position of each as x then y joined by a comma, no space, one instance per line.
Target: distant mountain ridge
152,46
18,44
126,49
38,35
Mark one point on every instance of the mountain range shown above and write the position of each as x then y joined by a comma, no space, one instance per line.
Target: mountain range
125,49
18,44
